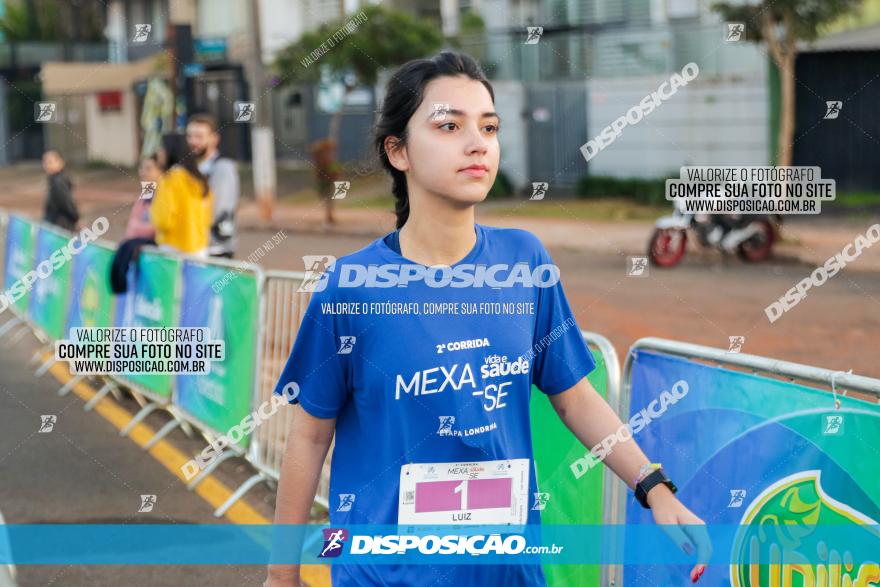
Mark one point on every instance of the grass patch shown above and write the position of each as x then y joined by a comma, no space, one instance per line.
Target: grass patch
856,199
372,191
648,191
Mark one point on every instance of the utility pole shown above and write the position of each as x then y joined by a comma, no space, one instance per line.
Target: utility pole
262,134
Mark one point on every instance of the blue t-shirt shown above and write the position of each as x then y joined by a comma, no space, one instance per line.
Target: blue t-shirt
392,379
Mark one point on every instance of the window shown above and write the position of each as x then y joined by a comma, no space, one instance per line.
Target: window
682,8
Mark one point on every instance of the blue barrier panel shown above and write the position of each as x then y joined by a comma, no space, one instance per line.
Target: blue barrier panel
773,456
225,300
48,301
19,260
91,299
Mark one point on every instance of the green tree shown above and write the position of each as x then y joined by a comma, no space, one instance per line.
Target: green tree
781,24
17,25
53,20
357,48
472,35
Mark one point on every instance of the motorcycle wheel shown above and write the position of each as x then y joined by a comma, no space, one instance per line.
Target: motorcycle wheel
758,247
667,247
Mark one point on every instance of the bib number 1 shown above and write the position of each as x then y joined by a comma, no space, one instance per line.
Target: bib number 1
482,492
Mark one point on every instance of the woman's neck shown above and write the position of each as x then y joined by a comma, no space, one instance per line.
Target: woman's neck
439,238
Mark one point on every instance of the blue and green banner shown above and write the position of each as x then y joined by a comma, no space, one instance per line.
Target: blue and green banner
226,301
779,460
152,302
18,261
48,300
91,299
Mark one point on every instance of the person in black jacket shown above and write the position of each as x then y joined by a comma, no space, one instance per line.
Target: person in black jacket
60,208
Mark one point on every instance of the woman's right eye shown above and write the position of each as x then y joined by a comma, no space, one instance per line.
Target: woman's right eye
447,124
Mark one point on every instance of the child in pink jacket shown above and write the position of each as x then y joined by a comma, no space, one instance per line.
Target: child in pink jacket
139,225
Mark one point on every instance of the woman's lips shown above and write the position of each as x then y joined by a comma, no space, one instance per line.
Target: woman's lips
474,172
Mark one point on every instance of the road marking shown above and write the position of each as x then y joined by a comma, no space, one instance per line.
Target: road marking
210,489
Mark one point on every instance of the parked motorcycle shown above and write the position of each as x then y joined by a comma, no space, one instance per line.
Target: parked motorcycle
751,236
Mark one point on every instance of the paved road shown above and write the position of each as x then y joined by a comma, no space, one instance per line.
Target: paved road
83,472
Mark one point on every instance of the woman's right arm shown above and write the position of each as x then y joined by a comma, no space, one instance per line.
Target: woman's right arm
307,446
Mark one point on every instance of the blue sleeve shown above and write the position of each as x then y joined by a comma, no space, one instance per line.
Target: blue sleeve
561,356
314,365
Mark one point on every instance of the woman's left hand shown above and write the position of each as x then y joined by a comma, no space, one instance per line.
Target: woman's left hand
682,526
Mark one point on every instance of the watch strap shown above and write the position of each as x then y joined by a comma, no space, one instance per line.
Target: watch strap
644,470
654,478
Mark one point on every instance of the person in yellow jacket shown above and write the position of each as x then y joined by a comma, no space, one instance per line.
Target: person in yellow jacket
182,208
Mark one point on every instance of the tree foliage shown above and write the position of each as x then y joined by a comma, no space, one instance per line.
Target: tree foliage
386,38
781,24
53,20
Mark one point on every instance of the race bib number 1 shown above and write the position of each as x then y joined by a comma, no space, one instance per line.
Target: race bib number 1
484,492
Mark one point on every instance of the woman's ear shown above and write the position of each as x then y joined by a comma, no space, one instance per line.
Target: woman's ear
396,152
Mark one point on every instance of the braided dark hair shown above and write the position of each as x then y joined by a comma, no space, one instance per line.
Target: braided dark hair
403,95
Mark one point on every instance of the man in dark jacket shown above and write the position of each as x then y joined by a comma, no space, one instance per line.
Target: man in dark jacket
60,209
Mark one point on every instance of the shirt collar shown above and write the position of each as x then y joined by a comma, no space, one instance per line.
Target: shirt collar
206,165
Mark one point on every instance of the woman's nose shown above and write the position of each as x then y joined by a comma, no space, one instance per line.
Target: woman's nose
477,142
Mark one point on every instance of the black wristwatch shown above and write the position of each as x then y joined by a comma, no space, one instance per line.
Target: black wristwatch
648,482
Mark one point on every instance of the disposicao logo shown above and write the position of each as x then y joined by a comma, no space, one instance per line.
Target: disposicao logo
334,540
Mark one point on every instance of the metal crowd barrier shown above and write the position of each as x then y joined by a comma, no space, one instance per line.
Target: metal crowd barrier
207,431
109,383
148,400
756,365
42,335
613,497
283,310
20,324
